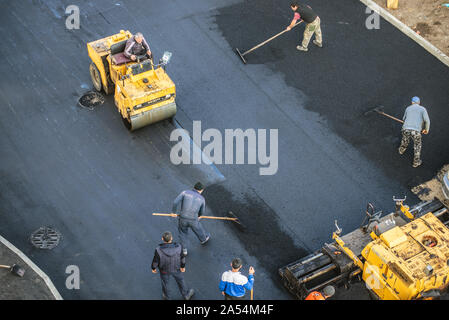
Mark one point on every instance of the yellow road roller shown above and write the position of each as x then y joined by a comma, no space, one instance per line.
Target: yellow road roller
401,256
143,92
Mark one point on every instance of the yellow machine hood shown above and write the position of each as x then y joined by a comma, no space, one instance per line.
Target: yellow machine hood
406,261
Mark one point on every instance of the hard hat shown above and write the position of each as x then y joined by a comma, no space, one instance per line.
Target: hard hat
415,99
329,291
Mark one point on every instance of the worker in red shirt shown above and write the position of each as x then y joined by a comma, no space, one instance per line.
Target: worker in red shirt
327,292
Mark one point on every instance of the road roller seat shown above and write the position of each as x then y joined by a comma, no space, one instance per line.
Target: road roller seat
117,53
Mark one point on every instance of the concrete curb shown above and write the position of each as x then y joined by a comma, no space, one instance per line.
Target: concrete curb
408,31
35,268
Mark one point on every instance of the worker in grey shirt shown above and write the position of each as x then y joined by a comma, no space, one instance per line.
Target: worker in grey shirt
416,121
192,208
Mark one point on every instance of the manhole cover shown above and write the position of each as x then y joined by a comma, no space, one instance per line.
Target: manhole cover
91,99
45,238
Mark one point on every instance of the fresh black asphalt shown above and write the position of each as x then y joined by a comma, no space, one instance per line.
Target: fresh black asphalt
83,173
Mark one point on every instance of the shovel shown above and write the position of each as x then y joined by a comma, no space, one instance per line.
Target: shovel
14,269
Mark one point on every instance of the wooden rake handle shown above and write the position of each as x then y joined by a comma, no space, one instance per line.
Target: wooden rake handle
268,40
391,117
218,218
165,214
202,217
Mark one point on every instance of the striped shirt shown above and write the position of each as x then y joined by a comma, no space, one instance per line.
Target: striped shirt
133,47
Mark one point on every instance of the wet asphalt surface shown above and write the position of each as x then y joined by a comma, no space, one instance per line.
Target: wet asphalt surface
83,173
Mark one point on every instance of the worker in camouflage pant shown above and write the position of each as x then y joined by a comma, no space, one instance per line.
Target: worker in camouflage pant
416,121
416,137
312,28
313,25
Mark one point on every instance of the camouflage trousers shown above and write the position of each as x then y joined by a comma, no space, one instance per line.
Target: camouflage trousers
416,137
312,28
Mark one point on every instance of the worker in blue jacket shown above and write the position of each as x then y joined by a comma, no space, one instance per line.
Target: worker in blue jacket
233,284
192,206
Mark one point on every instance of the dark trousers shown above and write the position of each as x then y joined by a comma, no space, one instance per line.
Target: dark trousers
183,227
228,297
179,277
142,54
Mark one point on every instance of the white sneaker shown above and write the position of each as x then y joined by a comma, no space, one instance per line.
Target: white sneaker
207,239
317,43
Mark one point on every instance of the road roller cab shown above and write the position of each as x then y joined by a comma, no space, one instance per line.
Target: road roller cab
144,93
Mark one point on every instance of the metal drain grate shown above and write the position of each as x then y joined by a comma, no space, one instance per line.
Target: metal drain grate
45,238
90,100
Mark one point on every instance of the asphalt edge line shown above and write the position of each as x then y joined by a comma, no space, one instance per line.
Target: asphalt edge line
437,53
33,266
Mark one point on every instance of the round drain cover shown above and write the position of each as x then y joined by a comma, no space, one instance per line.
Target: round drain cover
45,238
91,100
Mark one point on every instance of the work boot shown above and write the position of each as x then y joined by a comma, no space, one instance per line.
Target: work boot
317,43
417,163
207,239
190,294
401,150
301,48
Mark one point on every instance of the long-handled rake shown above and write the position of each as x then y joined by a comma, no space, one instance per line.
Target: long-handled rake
242,55
380,110
230,217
